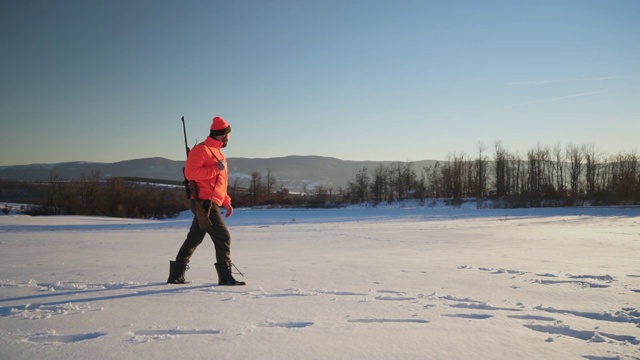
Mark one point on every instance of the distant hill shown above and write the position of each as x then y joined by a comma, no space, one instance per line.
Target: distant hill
293,172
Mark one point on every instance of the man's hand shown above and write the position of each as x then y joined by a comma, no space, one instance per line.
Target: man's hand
228,210
221,165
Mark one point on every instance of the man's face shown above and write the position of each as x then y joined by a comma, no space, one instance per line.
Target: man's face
224,139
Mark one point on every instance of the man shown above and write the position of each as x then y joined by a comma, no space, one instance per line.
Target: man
206,168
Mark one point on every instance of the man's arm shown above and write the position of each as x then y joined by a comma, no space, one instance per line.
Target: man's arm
195,167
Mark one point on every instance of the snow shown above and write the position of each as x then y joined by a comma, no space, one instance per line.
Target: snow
358,283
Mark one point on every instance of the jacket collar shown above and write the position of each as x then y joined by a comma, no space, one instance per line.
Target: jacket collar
211,142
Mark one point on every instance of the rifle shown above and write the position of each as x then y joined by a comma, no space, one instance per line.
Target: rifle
186,182
191,189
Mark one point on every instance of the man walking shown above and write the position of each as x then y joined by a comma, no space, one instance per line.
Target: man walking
208,175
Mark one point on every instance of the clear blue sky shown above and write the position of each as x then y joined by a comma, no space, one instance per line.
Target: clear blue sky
108,80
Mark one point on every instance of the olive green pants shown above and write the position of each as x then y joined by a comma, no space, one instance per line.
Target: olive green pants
217,231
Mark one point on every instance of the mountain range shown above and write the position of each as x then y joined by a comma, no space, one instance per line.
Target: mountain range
296,173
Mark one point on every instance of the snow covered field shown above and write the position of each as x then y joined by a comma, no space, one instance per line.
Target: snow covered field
392,283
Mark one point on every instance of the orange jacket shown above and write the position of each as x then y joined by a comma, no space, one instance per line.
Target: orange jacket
202,167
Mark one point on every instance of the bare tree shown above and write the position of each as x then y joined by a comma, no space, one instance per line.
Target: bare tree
434,179
359,187
404,179
456,178
234,187
481,172
574,155
270,185
255,188
55,195
379,183
500,170
592,170
559,169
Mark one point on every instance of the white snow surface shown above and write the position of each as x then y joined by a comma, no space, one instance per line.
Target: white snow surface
356,283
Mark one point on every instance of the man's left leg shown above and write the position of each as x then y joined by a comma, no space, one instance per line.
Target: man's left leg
178,267
222,241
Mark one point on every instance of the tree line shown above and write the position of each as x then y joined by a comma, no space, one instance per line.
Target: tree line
96,196
544,176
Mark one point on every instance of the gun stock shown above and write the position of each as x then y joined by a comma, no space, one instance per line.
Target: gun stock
202,214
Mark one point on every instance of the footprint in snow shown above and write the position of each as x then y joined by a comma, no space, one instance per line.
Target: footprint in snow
605,278
384,321
469,316
393,296
143,336
53,338
586,335
481,306
286,325
531,317
583,284
625,315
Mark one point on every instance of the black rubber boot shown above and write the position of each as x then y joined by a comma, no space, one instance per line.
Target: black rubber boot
176,272
225,277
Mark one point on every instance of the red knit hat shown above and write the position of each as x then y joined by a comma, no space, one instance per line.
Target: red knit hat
219,127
